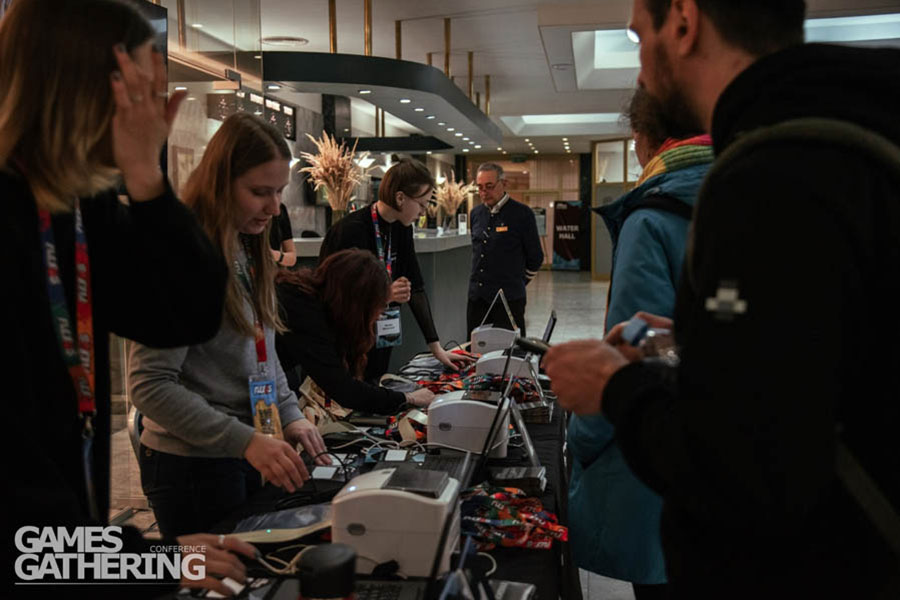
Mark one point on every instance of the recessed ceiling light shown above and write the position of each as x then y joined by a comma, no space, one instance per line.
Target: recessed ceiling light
471,143
441,123
346,130
192,98
255,112
465,139
430,117
458,134
451,129
465,149
428,152
537,152
633,36
197,25
273,86
419,109
565,139
499,149
527,140
405,100
504,152
284,40
478,146
364,92
180,88
258,57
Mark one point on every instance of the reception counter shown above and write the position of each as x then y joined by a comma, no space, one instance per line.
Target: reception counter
445,262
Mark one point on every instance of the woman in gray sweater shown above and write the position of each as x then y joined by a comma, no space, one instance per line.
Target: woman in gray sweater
205,443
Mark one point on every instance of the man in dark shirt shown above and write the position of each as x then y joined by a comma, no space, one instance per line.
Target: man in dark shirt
774,442
506,252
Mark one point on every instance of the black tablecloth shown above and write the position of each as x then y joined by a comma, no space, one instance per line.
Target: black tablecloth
552,571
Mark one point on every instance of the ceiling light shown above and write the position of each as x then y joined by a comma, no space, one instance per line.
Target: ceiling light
527,140
441,123
458,134
565,139
504,152
465,139
633,36
428,152
284,40
478,146
346,130
465,149
192,98
197,25
451,129
364,92
258,57
272,86
537,152
430,117
499,149
180,88
405,100
471,143
419,109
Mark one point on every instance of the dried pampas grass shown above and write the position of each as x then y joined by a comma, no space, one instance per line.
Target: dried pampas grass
333,168
450,194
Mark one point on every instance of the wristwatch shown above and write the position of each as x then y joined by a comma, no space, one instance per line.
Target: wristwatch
280,257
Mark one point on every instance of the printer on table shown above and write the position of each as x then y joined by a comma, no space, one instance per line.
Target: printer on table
462,420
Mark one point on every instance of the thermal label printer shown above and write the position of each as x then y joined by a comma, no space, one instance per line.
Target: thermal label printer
462,419
397,514
488,338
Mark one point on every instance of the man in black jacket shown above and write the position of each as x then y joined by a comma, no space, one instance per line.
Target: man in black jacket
774,443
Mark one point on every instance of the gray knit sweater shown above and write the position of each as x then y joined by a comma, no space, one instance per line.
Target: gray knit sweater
195,399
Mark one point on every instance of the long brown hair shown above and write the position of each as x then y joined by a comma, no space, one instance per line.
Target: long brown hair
56,104
241,143
353,285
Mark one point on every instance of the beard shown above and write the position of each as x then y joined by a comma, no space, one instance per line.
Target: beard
680,116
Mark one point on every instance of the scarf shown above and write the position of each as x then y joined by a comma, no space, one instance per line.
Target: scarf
678,154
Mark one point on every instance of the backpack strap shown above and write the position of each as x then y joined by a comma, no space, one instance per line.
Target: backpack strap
849,136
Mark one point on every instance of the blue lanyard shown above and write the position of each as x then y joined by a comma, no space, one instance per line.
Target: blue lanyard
385,258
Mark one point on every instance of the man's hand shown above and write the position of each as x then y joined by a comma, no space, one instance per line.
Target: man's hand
220,561
305,433
400,291
579,372
614,335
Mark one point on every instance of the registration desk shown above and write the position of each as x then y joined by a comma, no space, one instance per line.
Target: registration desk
445,262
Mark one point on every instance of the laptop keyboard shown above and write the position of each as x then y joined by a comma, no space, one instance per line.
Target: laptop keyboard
377,591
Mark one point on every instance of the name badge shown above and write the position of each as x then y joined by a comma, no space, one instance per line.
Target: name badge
387,328
502,229
264,404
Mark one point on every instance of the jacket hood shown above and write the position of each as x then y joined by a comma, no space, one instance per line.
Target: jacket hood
860,85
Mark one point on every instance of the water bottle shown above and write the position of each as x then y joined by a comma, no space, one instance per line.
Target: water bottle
657,344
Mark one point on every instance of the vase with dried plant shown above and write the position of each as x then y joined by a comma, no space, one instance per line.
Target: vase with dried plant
449,195
334,170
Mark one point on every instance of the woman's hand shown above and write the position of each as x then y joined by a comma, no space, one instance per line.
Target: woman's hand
143,118
450,359
219,560
421,397
305,433
400,291
277,460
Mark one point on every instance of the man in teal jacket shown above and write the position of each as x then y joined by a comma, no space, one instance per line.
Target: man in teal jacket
615,517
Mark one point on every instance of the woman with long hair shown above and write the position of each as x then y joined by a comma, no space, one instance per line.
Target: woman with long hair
384,229
84,108
330,315
219,414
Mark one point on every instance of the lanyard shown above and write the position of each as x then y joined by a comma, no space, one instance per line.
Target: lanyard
385,258
80,360
245,274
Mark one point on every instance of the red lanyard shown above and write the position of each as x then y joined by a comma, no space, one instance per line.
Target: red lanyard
245,275
384,257
80,360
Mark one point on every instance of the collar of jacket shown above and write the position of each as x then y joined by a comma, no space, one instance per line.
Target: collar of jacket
674,155
496,208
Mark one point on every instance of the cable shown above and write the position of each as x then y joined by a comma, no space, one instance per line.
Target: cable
289,568
332,454
493,562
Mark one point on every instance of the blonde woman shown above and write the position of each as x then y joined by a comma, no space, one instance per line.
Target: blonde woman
205,443
83,107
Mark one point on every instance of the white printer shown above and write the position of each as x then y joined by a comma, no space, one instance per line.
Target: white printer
397,514
456,420
488,338
493,363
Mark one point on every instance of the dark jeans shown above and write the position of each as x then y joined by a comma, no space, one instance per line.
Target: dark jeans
476,309
191,495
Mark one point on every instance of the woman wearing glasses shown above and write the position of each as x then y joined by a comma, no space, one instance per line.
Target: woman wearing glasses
384,228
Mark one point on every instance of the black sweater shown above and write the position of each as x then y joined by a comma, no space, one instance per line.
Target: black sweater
155,278
356,231
742,447
313,344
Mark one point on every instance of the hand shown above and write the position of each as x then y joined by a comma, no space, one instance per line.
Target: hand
449,359
421,397
305,433
277,460
400,291
579,372
614,335
220,561
141,123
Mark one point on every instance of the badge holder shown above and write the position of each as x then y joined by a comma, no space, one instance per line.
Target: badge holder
264,404
388,329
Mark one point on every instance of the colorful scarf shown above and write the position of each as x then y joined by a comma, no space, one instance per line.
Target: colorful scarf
678,154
